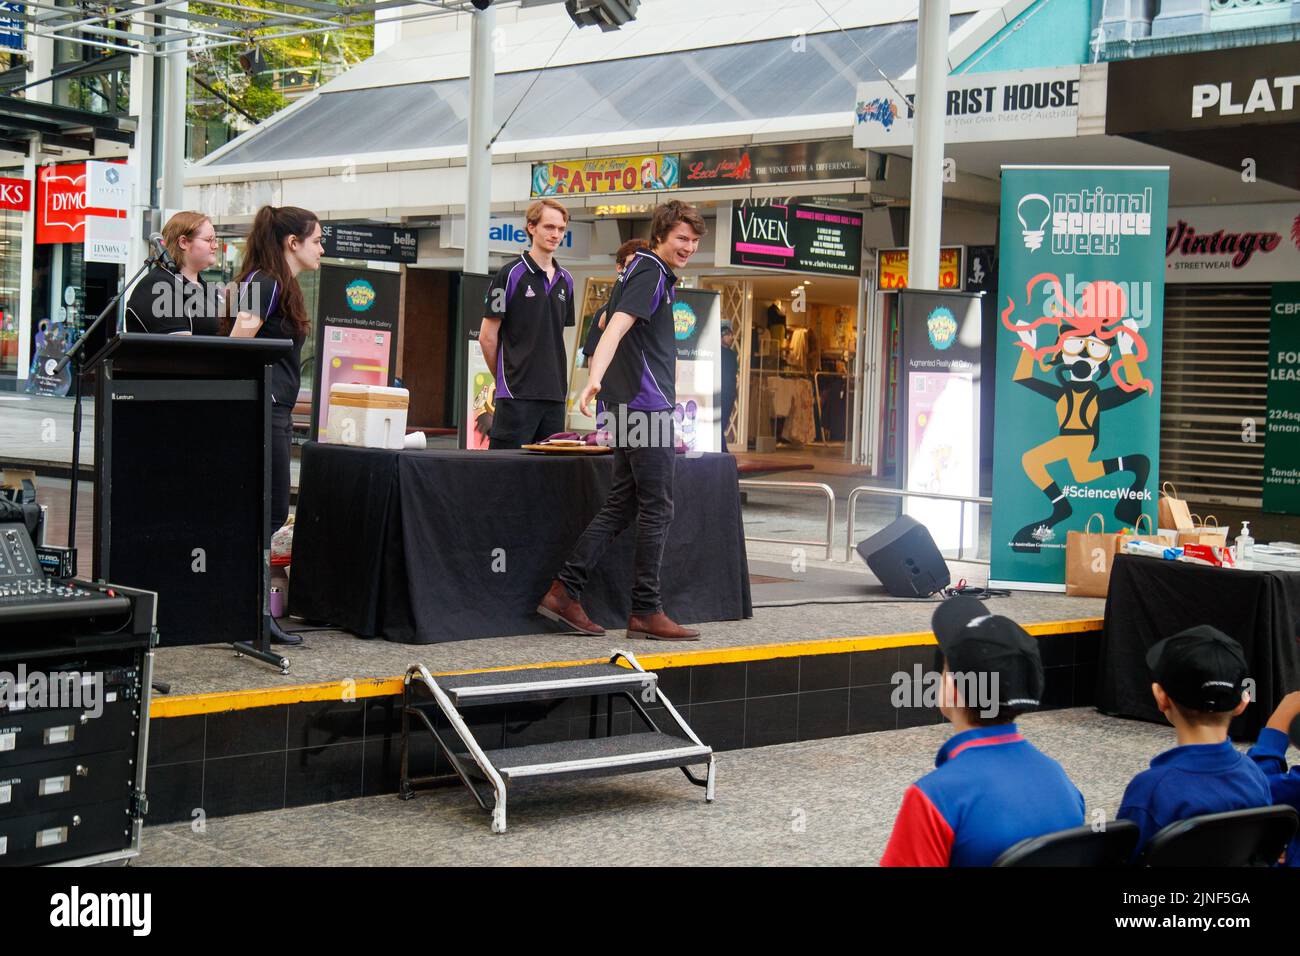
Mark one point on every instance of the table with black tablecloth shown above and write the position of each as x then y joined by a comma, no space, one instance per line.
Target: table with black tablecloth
1151,599
423,547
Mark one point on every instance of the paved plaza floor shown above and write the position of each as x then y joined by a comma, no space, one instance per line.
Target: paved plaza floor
822,802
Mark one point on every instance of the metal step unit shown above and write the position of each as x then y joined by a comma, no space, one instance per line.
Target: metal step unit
490,774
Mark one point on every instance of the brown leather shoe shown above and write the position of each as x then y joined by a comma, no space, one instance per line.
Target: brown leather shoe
557,606
658,627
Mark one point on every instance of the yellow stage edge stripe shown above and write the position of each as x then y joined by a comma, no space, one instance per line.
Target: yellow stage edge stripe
189,705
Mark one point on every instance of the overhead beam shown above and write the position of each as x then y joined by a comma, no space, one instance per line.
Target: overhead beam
75,25
83,143
66,116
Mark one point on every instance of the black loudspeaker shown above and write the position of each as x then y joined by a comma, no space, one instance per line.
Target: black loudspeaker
905,559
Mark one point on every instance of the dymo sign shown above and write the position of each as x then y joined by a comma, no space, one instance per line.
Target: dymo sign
62,201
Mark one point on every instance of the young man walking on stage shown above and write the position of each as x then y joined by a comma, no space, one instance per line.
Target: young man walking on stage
522,335
634,371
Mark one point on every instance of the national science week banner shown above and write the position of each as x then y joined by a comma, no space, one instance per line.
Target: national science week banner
1077,407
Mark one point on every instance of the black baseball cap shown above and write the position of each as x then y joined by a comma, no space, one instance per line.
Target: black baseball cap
1201,668
974,642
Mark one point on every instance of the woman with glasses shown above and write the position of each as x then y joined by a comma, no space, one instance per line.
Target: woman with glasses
175,300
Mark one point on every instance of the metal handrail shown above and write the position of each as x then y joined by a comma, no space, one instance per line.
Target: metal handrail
418,672
816,487
904,493
709,782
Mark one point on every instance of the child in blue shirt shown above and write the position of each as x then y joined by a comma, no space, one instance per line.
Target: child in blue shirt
1200,677
990,788
1269,754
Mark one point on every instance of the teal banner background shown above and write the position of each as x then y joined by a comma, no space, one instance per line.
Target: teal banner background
1282,439
1081,304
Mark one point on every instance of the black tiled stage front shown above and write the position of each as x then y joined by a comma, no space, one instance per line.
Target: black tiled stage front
317,751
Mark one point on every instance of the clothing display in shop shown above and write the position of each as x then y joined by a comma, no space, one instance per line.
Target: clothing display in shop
799,348
832,389
792,400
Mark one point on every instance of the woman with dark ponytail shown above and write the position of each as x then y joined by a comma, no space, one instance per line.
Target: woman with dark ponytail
284,241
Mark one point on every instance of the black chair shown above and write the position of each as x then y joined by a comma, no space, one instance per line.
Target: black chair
1078,846
1254,837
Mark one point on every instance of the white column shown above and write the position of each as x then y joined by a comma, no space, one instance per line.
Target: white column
172,174
478,160
41,52
140,155
927,153
27,265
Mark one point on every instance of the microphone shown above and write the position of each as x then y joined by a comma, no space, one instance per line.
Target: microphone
1294,731
160,251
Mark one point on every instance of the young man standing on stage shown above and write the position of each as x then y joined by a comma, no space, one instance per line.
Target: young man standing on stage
634,371
621,258
529,304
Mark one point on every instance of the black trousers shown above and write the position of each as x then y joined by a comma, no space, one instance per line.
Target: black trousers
281,444
521,421
642,489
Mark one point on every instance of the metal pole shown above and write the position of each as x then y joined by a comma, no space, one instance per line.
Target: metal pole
927,151
961,530
478,160
172,191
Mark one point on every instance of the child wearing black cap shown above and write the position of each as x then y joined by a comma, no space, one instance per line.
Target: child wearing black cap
1269,754
1200,685
990,788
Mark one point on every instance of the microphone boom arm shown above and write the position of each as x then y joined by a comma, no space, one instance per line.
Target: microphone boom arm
74,480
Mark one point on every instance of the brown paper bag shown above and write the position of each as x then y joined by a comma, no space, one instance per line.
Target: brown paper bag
1173,511
1154,537
1204,533
1088,558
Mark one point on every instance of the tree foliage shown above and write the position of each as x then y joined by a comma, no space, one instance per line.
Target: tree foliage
292,64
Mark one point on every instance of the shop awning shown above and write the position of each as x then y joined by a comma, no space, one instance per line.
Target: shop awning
756,81
61,126
1238,108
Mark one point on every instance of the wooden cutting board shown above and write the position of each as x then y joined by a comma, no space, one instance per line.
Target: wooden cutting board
568,449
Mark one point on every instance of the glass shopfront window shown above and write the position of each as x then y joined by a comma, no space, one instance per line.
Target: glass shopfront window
103,83
11,287
106,91
67,294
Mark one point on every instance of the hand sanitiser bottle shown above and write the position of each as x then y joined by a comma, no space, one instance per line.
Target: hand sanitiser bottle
1245,543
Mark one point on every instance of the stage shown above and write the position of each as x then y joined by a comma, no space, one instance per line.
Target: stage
235,736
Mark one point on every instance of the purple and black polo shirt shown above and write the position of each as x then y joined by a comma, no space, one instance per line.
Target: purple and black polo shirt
643,373
534,311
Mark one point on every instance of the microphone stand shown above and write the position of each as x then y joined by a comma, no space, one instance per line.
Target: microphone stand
150,261
68,356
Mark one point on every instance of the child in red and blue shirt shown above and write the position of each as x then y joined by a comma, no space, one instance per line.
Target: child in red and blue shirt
990,788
